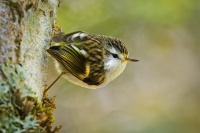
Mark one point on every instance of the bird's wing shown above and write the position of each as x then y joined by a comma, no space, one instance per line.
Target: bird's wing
77,36
81,54
72,59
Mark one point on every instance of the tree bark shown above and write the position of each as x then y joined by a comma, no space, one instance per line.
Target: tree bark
25,33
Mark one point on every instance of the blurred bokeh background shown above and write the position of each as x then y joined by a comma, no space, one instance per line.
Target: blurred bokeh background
158,94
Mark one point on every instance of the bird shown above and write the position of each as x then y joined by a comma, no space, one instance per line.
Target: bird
88,60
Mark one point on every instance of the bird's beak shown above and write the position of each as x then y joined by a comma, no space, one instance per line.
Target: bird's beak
129,60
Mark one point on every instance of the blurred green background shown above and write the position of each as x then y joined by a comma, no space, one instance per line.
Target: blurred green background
158,94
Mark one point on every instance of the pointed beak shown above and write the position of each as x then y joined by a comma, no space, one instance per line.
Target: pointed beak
129,60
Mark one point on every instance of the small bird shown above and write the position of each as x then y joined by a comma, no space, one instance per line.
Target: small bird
89,60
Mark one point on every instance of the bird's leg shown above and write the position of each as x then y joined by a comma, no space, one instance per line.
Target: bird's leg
46,89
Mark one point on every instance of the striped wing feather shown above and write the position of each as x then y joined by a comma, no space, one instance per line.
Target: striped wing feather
71,37
71,60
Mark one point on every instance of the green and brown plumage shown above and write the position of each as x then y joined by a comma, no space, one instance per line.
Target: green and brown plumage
89,60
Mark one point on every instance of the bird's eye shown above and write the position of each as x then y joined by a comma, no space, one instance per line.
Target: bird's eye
115,56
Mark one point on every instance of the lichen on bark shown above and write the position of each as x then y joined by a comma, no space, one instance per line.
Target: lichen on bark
20,110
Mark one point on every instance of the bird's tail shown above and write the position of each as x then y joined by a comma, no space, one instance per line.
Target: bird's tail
58,37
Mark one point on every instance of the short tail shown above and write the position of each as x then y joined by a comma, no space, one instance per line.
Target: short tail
58,37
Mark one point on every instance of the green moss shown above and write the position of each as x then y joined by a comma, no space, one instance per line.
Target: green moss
19,109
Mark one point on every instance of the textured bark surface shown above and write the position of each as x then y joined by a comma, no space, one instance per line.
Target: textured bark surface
25,33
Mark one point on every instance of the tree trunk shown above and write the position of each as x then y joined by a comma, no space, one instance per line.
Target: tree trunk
25,33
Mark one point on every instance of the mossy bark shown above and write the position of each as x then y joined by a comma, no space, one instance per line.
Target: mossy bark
25,33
